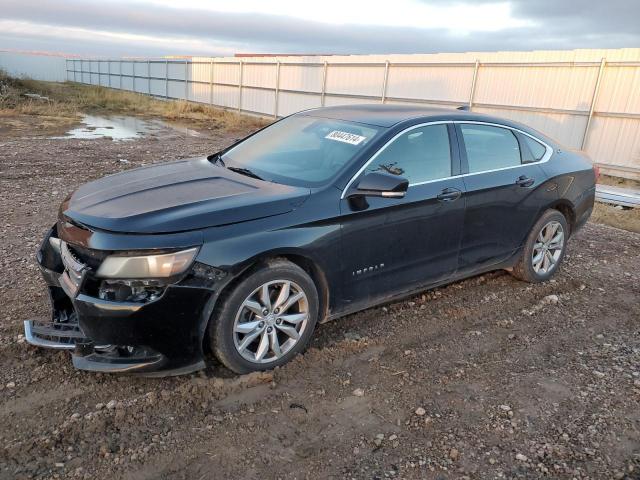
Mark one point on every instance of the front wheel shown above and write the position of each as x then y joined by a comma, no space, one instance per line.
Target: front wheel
266,320
544,248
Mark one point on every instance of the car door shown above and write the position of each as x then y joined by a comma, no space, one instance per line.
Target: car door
391,245
502,193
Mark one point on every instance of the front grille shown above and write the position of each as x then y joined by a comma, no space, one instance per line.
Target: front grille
71,279
70,260
92,258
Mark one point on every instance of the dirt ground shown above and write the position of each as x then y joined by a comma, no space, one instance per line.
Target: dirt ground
485,378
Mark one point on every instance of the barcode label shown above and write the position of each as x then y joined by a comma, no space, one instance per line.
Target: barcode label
346,137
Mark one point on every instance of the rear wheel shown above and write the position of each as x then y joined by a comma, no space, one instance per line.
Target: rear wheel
544,248
266,320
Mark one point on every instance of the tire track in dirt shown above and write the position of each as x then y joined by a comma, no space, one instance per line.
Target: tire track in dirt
487,377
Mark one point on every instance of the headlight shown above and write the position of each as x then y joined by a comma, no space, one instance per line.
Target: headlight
147,266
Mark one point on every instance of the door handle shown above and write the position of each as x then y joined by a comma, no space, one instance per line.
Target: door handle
525,181
449,195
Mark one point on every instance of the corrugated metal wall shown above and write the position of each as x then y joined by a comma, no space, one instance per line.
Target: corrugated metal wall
587,99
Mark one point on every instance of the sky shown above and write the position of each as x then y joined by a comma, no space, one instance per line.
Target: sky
220,28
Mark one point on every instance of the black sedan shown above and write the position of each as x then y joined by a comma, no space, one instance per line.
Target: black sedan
321,214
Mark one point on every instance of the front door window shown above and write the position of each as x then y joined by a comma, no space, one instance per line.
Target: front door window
421,154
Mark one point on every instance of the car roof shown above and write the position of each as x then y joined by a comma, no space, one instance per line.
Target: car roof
388,115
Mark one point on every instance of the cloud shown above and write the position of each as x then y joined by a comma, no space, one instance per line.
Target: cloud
108,27
595,17
30,36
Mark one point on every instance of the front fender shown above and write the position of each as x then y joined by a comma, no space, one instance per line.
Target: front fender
237,251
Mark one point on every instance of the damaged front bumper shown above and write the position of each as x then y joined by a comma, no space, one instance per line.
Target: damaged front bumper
162,335
54,334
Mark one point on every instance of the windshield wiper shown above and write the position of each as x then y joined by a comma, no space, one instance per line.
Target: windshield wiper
217,159
245,171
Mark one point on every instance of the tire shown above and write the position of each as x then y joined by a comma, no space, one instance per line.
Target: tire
241,328
531,271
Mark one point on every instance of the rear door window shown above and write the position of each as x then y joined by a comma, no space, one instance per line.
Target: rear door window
489,147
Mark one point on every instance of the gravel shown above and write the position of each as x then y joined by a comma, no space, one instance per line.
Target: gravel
548,388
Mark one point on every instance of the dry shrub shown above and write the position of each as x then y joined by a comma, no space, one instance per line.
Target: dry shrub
226,119
70,99
625,218
13,101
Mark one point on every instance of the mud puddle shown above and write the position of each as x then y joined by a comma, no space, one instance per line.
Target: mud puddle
122,128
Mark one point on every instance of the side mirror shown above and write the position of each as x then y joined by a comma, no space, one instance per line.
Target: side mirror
376,184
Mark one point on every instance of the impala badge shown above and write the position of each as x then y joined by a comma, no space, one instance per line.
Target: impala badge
369,269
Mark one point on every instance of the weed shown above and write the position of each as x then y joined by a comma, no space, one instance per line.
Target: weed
70,99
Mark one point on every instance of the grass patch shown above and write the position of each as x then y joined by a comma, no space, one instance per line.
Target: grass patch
625,218
69,100
619,182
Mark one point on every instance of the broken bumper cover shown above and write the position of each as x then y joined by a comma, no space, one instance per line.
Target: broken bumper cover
162,336
61,331
56,335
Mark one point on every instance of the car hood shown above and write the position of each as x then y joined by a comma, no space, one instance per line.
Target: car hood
178,196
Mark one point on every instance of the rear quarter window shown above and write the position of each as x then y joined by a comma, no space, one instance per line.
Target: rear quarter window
532,150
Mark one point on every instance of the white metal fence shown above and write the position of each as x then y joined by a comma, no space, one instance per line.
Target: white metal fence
587,99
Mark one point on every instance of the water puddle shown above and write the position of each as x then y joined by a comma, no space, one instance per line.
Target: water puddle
120,127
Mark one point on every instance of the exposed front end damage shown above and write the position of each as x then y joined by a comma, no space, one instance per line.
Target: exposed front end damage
147,326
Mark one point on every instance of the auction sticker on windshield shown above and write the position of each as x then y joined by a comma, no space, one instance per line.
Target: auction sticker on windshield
346,137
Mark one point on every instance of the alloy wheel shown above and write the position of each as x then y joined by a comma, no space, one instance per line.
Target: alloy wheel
270,321
548,247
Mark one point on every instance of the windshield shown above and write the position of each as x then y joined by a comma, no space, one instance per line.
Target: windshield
300,150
